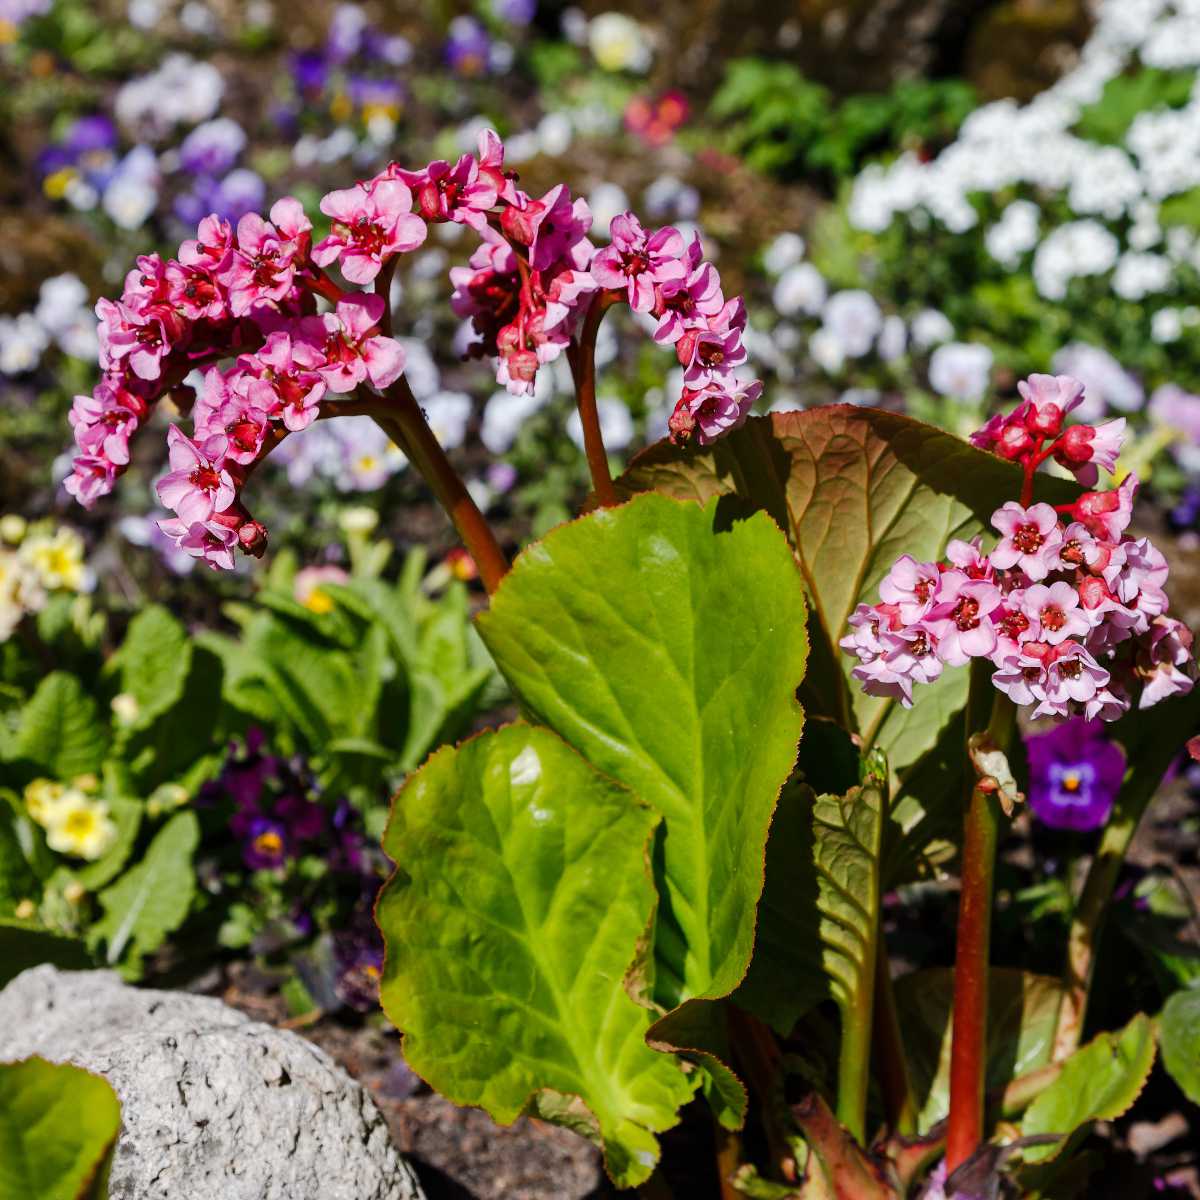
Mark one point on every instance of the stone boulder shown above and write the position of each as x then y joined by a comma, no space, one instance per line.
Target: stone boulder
214,1106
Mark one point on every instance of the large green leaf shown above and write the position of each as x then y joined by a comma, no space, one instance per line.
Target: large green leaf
154,661
24,944
855,488
60,731
819,918
1099,1082
519,907
57,1125
152,899
1179,1036
666,646
1022,1012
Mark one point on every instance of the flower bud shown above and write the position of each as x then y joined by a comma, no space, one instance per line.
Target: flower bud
1014,441
252,537
519,223
1075,446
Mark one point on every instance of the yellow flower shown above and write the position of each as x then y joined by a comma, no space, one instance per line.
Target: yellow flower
80,827
12,527
57,560
618,43
42,798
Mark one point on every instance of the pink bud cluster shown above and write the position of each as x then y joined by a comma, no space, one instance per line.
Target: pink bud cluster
250,295
1070,610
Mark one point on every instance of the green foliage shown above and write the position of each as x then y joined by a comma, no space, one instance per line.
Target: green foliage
60,732
1022,1015
1179,1038
1098,1083
618,632
57,1125
523,894
1125,96
784,124
152,899
23,945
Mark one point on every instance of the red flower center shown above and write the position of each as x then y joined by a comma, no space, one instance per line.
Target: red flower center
1028,539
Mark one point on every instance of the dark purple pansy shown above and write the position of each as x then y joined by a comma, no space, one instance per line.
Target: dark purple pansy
266,844
1075,773
310,70
304,819
358,959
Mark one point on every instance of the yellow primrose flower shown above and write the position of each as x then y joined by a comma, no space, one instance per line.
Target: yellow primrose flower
12,607
57,559
12,527
81,827
42,798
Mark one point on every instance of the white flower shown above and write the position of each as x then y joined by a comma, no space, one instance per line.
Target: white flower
129,200
1106,383
800,289
554,133
618,43
669,198
785,251
23,341
893,339
826,351
606,200
854,319
419,368
616,425
1078,248
59,300
181,91
1015,233
503,417
1141,275
961,370
448,414
1166,326
930,327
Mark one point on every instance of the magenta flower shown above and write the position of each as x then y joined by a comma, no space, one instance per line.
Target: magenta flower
211,248
104,421
141,338
1048,399
491,169
1022,679
709,411
1071,675
206,540
452,193
197,486
1075,773
370,224
92,476
912,586
354,351
554,228
634,263
1031,538
243,420
1107,514
289,367
962,618
705,354
268,255
1084,449
693,302
1168,664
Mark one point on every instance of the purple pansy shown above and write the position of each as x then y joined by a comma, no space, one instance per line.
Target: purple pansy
1075,773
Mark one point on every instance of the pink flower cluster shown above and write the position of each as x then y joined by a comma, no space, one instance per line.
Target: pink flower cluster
248,298
1070,610
532,280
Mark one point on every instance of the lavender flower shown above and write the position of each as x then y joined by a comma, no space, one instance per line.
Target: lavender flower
1075,773
212,148
468,47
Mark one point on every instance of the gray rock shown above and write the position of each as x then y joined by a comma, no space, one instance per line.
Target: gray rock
214,1106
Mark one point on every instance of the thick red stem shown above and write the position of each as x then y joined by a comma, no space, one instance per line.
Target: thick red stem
582,358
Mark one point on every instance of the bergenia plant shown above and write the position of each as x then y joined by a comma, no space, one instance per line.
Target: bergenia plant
666,881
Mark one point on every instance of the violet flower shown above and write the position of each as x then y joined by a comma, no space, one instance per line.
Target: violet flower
1075,773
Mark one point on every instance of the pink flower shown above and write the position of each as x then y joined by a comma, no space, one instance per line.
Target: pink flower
491,168
1048,399
289,367
460,193
565,294
243,420
692,302
554,228
706,355
146,284
197,486
867,624
196,292
961,619
1139,571
1072,675
104,421
205,540
969,558
1084,449
634,263
1022,678
370,225
912,586
707,412
1053,611
1166,664
1031,538
211,248
268,255
92,476
143,338
353,351
1107,514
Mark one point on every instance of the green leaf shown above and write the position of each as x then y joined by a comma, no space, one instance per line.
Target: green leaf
520,903
854,488
1099,1082
818,928
152,899
666,646
24,945
57,1125
154,661
60,731
1179,1037
17,879
1022,1015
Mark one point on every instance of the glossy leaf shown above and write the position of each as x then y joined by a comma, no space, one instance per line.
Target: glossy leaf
666,645
1099,1082
520,904
152,899
1022,1013
1179,1036
819,917
855,488
57,1125
60,732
